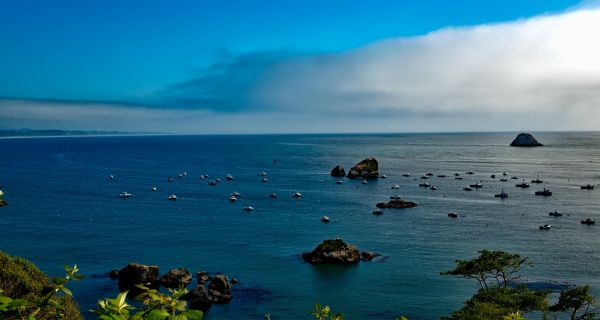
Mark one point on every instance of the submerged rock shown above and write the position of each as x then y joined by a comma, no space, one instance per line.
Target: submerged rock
396,204
176,278
366,169
333,251
135,273
338,171
525,140
219,289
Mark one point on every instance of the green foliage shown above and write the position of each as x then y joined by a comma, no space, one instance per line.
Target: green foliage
501,266
157,306
26,292
331,245
325,313
577,302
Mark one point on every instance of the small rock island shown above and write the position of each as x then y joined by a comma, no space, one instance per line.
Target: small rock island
338,171
525,140
336,251
366,169
396,204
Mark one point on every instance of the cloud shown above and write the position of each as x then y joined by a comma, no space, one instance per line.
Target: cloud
541,73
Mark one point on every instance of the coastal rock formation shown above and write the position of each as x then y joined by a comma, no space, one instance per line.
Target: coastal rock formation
135,273
2,203
366,169
338,171
199,299
333,251
525,140
219,289
396,204
203,277
113,274
368,256
176,278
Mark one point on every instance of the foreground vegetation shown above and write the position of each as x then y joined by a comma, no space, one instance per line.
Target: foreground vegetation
27,293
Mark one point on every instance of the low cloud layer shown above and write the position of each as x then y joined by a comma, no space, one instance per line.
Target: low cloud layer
541,73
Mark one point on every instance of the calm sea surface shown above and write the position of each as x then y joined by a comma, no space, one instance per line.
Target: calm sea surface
64,209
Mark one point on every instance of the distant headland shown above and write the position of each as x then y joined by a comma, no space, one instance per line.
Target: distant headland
26,132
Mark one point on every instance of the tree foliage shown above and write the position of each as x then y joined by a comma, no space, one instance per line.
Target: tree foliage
577,302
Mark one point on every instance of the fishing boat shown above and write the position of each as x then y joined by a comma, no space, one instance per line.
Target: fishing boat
555,214
522,185
424,185
588,221
502,195
325,219
125,195
377,212
545,227
452,214
248,208
587,187
173,197
545,193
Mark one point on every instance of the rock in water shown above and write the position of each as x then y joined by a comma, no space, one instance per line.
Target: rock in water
525,140
396,204
366,169
135,273
199,299
176,278
338,171
219,289
203,277
333,251
368,256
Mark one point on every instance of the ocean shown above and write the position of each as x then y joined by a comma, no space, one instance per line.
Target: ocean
63,209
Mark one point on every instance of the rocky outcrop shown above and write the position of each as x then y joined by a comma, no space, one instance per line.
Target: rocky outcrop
219,289
199,299
176,278
334,251
135,273
113,274
525,140
203,277
396,204
366,169
338,171
2,203
368,256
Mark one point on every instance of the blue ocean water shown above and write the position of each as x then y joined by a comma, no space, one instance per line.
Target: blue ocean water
64,209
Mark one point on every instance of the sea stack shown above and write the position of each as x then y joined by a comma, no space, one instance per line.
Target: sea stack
338,171
525,140
366,169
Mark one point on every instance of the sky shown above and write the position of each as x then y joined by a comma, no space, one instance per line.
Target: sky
259,66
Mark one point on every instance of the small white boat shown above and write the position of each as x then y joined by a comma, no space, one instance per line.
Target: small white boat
212,183
396,186
273,195
233,198
170,180
229,177
297,195
395,197
203,176
173,197
265,180
184,173
325,219
125,195
364,182
111,177
504,173
545,227
218,180
235,194
248,208
339,182
383,176
433,188
180,175
154,189
262,174
406,175
377,212
452,214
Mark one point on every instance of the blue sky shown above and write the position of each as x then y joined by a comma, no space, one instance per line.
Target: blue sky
210,56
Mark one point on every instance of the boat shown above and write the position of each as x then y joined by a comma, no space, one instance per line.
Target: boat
184,173
514,177
383,176
433,188
467,189
470,172
424,185
396,186
377,212
111,177
458,178
457,174
441,176
262,174
493,176
213,183
154,189
545,193
125,195
452,214
173,197
202,177
339,181
502,195
217,180
555,214
545,227
273,195
424,177
170,180
476,185
504,173
265,180
297,195
429,174
522,185
395,197
587,187
406,175
248,208
503,180
180,175
364,182
325,219
235,194
233,198
588,221
229,177
537,181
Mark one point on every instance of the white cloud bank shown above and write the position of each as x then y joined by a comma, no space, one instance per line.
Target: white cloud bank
541,73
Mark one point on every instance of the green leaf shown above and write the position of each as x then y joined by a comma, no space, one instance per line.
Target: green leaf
193,314
5,300
59,281
157,314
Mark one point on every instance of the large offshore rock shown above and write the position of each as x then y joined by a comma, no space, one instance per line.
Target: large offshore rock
525,140
135,273
366,169
338,171
334,251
